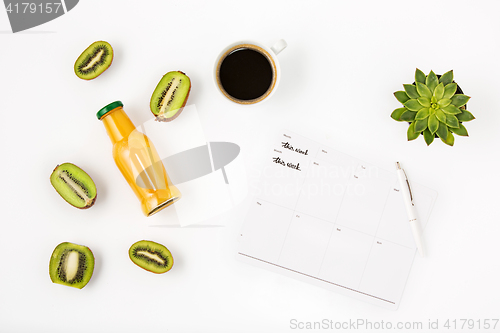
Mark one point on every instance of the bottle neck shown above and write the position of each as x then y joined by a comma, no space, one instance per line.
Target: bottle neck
117,124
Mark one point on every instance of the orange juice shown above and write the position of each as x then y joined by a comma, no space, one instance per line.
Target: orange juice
138,161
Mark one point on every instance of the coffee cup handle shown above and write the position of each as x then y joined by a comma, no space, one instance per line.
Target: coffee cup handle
279,46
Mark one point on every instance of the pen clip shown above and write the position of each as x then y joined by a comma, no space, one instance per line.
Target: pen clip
409,188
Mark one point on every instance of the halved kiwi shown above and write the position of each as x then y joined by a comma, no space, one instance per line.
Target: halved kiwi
71,265
170,96
94,60
151,256
74,185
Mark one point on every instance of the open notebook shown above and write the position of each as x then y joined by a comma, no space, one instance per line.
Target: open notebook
332,220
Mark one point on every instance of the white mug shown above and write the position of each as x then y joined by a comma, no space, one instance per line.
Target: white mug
269,52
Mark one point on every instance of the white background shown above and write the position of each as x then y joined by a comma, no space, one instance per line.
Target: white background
343,63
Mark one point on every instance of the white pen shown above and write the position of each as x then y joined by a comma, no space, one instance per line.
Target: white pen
410,207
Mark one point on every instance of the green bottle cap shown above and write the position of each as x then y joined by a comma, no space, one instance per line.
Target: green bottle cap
107,108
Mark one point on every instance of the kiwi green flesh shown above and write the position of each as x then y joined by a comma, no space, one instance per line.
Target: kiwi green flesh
170,95
71,265
94,60
74,185
151,256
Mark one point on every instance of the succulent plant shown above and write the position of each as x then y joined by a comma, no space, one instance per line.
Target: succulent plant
433,108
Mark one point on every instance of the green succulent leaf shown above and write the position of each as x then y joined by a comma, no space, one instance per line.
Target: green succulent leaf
433,123
423,90
420,125
449,90
411,134
431,81
408,115
459,99
439,91
460,131
428,137
413,105
450,139
422,114
424,101
419,76
401,96
446,78
444,102
452,121
442,131
411,91
451,109
396,114
440,115
465,116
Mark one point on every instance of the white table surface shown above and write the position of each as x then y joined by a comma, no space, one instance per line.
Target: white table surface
343,63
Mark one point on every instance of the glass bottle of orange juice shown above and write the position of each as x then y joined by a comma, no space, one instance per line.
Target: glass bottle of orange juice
138,161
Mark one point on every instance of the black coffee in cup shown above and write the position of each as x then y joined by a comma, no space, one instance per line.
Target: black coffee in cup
246,74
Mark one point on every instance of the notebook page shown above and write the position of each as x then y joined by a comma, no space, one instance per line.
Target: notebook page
332,220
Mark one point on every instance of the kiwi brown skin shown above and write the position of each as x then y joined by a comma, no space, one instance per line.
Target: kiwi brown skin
166,120
91,202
